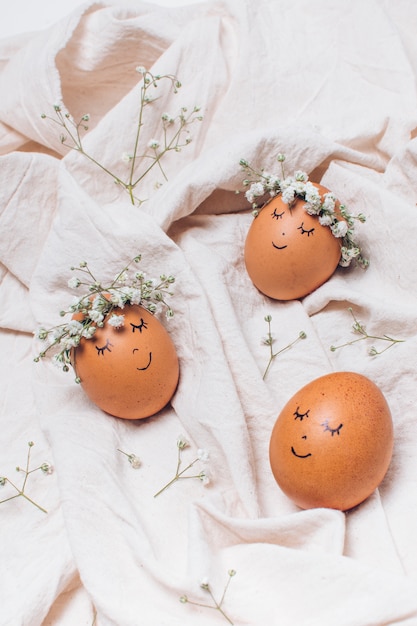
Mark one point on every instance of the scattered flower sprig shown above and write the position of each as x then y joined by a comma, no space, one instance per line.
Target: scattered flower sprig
262,184
97,305
45,468
359,328
269,340
173,135
216,605
134,460
202,457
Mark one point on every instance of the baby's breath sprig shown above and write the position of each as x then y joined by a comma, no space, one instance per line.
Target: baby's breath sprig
134,460
45,468
269,340
359,328
262,184
202,457
97,306
216,605
173,135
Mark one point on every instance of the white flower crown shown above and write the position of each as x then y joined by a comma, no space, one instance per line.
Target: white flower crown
291,188
97,307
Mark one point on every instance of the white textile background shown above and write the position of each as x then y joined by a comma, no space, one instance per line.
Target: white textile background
333,86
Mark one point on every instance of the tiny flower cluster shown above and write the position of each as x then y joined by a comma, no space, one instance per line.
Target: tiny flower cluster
262,183
98,306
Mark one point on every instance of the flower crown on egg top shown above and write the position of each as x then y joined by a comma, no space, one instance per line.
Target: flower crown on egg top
96,307
298,186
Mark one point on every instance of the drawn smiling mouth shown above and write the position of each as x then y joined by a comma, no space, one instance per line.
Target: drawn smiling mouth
278,247
141,369
300,456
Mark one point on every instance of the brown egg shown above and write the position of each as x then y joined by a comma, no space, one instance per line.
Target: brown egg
332,442
288,253
130,372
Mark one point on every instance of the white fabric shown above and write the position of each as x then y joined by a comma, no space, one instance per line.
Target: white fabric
333,86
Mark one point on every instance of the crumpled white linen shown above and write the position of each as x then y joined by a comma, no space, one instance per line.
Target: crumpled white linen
332,86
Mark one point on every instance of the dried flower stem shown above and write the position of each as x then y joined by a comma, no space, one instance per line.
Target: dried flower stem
358,327
179,475
175,134
270,340
216,605
45,467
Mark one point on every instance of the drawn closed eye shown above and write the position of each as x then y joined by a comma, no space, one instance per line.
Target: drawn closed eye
140,326
331,430
300,416
276,215
106,347
304,230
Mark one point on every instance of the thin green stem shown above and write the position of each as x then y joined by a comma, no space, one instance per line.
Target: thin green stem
358,327
21,491
217,607
178,475
33,502
270,340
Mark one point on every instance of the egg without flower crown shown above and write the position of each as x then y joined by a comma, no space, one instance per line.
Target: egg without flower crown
332,443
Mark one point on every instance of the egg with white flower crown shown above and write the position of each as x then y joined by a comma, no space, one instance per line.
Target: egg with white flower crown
129,368
291,250
332,443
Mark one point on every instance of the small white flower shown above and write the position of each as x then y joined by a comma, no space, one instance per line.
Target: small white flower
47,468
339,229
135,296
74,282
134,461
182,442
288,195
119,299
203,455
204,583
140,69
117,321
254,191
329,202
126,158
154,144
71,342
95,315
88,332
326,220
74,328
42,333
301,176
167,118
204,476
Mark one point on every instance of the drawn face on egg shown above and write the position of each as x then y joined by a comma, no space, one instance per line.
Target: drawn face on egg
303,447
282,245
139,356
332,442
288,253
132,371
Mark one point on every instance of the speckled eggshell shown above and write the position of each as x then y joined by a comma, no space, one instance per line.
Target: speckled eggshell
130,372
288,253
332,442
